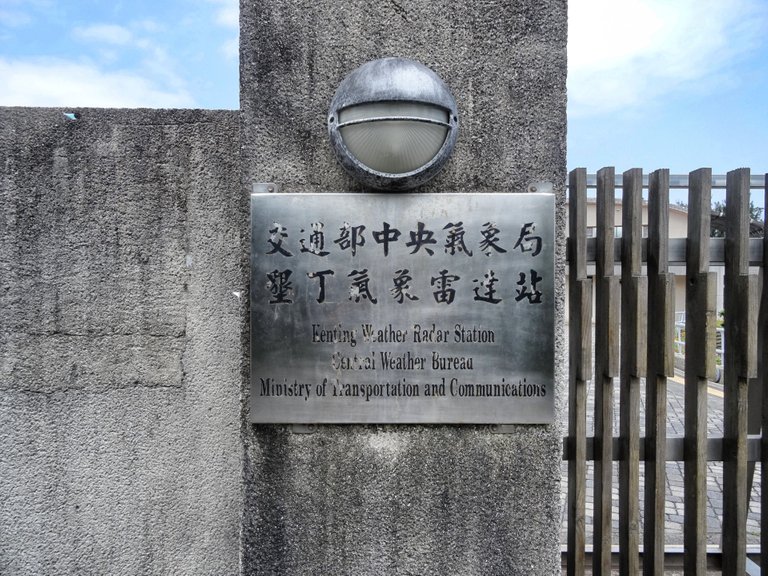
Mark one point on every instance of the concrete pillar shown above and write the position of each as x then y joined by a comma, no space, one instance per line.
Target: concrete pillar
406,499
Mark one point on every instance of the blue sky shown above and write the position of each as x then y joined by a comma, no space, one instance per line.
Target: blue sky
652,83
136,53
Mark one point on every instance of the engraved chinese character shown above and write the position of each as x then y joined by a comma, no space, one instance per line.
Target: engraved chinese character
444,293
350,237
490,240
277,234
359,288
320,275
402,280
487,285
530,292
385,236
421,237
527,242
316,240
280,286
454,242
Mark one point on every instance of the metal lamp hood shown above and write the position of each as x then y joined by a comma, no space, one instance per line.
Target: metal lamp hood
393,124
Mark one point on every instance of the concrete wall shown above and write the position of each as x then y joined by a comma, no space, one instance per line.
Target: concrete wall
121,244
406,499
123,316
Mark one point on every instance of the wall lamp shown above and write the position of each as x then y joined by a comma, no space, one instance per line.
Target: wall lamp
393,124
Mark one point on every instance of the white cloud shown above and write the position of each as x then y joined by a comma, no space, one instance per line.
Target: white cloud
104,33
228,13
228,16
13,18
145,62
231,48
57,82
148,25
622,55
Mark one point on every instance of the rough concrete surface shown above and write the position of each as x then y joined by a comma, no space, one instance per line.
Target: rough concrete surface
121,244
407,500
504,61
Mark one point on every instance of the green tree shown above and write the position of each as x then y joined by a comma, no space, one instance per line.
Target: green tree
717,227
717,224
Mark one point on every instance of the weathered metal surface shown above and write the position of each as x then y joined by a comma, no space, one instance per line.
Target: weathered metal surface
392,80
428,308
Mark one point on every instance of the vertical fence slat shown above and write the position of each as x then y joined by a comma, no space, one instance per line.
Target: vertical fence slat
746,357
633,354
661,307
580,301
763,378
740,365
606,369
700,316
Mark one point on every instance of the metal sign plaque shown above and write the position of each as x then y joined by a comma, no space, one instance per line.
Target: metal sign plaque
407,308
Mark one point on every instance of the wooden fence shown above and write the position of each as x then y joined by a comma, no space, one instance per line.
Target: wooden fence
634,333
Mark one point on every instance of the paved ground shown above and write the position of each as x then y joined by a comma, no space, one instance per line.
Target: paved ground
675,480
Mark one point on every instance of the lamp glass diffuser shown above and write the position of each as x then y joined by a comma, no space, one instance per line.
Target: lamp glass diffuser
394,137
